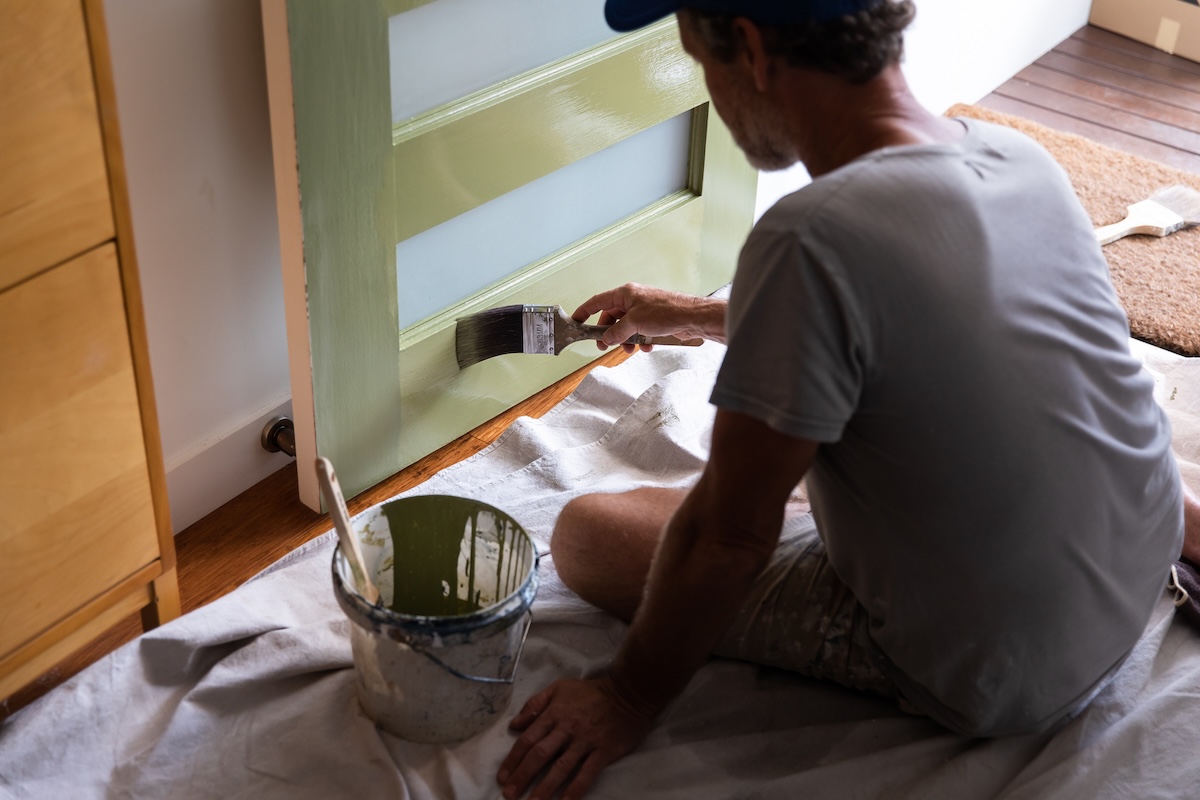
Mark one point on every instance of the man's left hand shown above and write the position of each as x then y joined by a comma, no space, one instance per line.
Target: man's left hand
576,728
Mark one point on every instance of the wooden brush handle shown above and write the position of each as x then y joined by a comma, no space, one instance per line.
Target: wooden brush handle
1119,230
596,332
327,478
675,341
568,331
1147,217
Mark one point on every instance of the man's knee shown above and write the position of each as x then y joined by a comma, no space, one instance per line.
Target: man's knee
573,542
603,543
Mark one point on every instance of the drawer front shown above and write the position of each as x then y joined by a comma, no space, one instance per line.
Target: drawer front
54,197
76,513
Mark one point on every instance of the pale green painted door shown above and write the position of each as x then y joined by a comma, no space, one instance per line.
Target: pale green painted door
396,219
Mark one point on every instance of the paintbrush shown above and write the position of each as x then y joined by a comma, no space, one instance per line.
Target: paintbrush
1166,211
543,330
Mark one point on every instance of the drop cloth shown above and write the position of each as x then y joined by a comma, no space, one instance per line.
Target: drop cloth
253,695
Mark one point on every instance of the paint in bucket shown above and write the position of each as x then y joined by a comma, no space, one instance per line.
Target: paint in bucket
435,660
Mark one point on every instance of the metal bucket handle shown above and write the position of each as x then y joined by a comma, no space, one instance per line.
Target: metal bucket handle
479,678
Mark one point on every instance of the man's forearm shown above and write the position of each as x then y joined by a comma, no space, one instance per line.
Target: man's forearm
710,315
714,548
700,577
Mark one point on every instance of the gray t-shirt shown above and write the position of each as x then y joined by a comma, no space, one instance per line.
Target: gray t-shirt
995,482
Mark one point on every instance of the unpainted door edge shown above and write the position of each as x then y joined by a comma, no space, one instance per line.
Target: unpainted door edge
291,244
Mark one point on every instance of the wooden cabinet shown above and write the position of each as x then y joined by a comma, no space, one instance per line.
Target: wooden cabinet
85,536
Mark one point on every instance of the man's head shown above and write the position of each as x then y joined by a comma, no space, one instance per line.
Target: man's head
766,60
853,39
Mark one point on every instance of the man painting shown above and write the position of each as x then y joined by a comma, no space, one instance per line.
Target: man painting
928,335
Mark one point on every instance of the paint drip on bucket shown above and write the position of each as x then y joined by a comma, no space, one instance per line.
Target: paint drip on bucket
436,659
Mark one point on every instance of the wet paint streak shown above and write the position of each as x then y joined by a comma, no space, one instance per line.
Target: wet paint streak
472,597
427,534
502,537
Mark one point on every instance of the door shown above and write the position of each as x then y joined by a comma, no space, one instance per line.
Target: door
436,158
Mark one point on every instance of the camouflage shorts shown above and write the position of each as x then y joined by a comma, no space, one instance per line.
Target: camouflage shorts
801,617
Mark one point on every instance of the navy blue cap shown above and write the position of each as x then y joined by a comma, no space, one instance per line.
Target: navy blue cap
628,15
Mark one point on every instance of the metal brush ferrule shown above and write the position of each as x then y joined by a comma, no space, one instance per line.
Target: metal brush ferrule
538,329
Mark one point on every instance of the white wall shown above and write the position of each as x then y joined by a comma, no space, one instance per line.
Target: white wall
191,95
958,51
192,99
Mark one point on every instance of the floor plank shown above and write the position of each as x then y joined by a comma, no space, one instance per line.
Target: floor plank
1115,112
1113,90
1096,132
1156,92
1130,102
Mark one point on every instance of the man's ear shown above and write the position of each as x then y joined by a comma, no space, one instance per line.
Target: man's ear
753,52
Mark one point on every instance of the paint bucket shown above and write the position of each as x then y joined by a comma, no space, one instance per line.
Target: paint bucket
435,660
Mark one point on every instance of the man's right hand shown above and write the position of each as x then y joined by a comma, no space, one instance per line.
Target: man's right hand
634,308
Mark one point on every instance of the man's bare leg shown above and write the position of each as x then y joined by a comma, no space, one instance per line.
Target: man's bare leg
1191,526
603,544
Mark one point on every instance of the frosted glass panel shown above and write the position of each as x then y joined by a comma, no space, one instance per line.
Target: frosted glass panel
456,259
450,48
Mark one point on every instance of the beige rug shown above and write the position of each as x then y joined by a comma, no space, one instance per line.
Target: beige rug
1157,280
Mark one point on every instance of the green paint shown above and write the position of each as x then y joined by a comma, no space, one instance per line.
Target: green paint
342,109
459,157
384,397
427,537
729,186
429,540
393,7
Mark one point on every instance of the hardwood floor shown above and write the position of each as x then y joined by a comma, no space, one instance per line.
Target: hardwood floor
1115,91
1096,84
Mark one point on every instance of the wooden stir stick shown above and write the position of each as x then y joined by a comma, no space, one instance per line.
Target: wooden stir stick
341,521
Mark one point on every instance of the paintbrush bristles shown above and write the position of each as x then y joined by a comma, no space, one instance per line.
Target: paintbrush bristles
533,330
488,334
1182,200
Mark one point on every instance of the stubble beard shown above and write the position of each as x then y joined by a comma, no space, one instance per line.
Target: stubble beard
759,132
764,155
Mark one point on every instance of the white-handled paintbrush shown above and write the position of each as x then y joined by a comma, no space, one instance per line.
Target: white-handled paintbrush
1166,211
543,330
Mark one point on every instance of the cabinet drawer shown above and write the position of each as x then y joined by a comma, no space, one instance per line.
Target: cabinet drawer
76,513
54,197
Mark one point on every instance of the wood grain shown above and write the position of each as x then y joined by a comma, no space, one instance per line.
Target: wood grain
1115,91
76,514
1121,80
21,668
1096,131
85,535
1128,112
1118,99
53,185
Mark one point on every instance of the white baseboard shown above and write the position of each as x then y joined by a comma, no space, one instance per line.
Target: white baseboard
211,474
